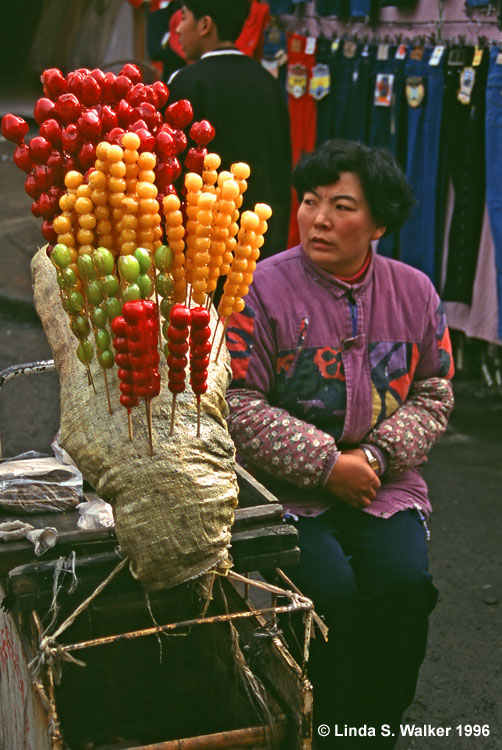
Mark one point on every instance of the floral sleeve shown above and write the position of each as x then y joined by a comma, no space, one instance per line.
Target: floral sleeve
281,445
408,434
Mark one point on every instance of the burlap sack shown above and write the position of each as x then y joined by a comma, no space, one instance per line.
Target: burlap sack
173,511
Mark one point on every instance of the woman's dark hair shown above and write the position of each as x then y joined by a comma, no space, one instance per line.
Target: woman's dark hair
228,16
384,184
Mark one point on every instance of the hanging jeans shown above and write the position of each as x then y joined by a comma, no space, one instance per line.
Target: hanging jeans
419,239
388,127
464,131
369,578
352,95
326,106
493,134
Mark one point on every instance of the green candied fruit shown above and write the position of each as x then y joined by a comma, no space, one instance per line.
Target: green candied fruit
61,255
164,284
68,277
60,281
163,258
75,302
85,352
132,291
165,308
86,267
106,359
80,326
110,285
144,259
165,327
103,260
166,350
128,268
93,292
99,317
112,307
145,285
102,339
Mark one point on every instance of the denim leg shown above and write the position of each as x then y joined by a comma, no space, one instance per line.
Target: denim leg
368,577
493,145
418,240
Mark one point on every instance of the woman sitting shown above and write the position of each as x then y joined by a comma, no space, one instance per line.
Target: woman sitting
341,364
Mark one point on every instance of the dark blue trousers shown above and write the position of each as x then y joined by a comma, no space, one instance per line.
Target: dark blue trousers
369,579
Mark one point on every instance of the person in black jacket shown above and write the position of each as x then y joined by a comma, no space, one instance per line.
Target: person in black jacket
243,102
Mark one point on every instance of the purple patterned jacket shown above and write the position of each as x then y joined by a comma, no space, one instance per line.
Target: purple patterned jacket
319,365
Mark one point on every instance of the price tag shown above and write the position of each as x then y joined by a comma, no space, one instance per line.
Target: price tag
383,52
334,45
478,56
437,54
401,52
366,51
310,45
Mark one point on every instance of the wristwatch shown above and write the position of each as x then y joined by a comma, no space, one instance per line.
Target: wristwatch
372,460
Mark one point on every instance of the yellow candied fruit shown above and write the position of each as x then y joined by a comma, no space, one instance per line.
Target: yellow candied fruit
229,191
83,250
131,141
130,158
249,221
62,224
67,239
146,175
212,161
116,184
85,237
102,212
73,179
171,203
146,190
193,181
207,201
129,221
99,196
174,218
128,235
129,205
104,226
97,179
147,160
102,150
87,221
127,248
177,246
145,235
115,199
263,211
67,202
240,170
205,217
83,205
224,176
114,153
118,169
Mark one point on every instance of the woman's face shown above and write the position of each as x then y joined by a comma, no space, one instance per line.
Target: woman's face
336,226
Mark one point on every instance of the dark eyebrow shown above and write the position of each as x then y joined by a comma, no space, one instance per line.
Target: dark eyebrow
335,198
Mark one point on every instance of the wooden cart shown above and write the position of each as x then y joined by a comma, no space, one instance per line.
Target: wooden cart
86,668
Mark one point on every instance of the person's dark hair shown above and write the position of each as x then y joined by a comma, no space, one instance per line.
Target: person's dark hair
228,16
384,184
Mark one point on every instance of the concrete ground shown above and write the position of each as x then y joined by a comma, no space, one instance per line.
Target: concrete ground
461,678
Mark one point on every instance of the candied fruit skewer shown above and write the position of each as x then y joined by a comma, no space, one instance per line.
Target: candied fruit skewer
74,305
200,349
175,233
175,351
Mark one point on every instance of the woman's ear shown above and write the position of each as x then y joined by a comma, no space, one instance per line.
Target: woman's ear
379,232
